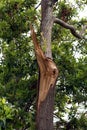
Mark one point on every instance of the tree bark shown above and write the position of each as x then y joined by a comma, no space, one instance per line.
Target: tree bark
46,25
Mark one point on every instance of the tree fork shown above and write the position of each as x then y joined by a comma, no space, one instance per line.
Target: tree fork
48,77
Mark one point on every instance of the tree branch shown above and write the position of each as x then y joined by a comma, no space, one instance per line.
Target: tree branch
37,6
70,27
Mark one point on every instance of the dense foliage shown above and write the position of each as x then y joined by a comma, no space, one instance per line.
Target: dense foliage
19,70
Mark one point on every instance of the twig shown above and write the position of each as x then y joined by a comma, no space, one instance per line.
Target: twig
37,6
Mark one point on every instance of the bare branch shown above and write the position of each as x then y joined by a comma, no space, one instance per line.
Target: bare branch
37,6
70,27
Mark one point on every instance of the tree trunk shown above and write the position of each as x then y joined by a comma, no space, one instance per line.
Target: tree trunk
46,25
48,70
48,77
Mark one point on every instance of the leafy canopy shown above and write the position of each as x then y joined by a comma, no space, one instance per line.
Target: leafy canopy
19,71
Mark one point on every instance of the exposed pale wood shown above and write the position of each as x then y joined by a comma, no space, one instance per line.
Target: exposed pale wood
48,77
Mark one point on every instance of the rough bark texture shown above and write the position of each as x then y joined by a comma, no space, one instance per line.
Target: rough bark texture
48,77
46,25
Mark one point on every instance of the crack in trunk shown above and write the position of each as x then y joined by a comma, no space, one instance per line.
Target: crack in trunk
46,88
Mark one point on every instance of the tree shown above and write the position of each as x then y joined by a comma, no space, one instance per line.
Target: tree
48,70
17,73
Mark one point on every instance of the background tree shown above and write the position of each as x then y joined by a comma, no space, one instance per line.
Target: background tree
18,67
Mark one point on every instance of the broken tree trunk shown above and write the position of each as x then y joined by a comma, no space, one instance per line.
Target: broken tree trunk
46,88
